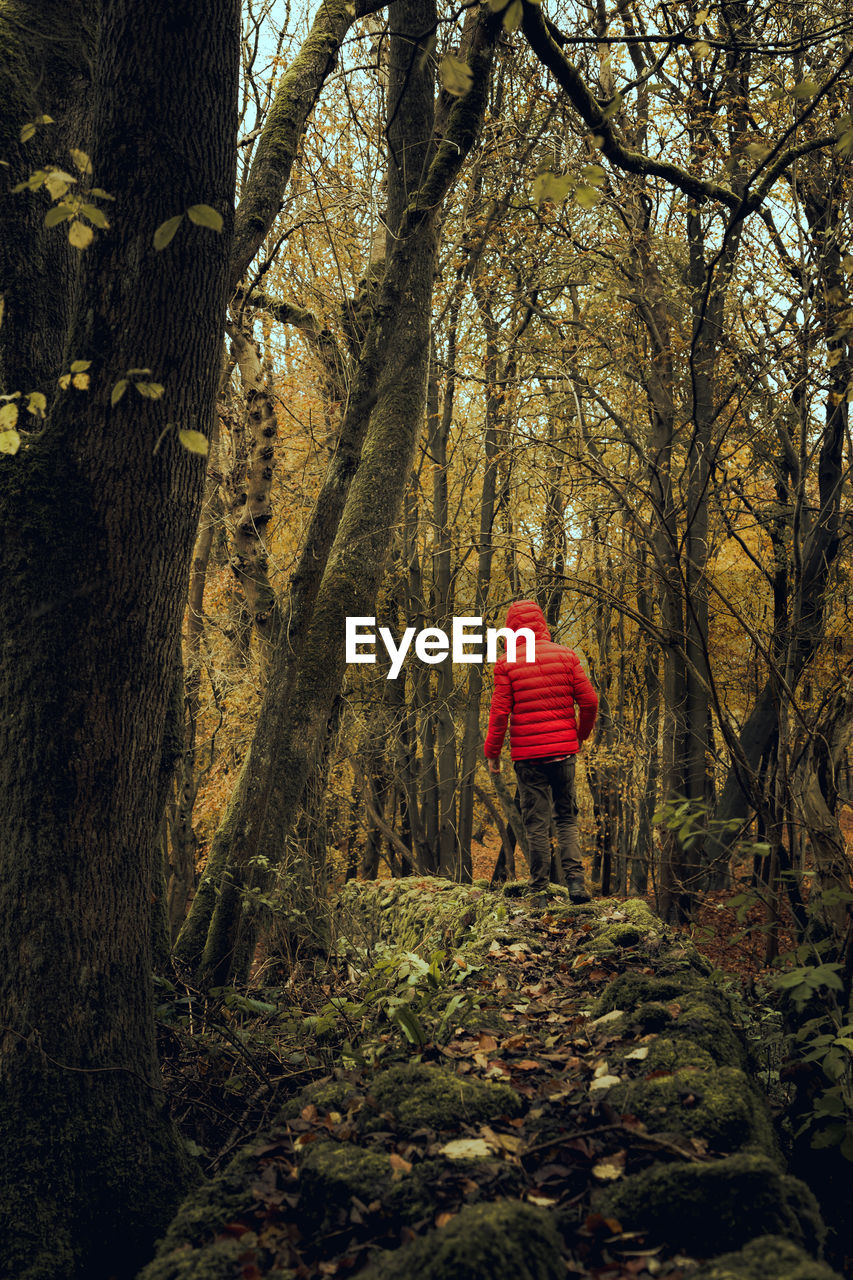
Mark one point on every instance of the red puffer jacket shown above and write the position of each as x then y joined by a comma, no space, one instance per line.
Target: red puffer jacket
539,695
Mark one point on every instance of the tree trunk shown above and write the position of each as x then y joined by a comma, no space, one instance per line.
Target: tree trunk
98,529
399,329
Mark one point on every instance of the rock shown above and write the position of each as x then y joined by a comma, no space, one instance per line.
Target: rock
767,1258
506,1240
705,1209
424,1097
719,1105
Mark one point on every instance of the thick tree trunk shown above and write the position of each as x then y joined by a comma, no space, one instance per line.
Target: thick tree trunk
98,530
45,51
399,328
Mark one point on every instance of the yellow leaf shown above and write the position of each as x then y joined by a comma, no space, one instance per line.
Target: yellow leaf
593,175
58,182
36,402
80,366
204,216
701,48
834,357
166,230
80,381
27,131
552,186
194,441
805,89
702,16
455,75
79,235
150,390
8,416
82,161
10,441
65,381
118,391
587,197
512,17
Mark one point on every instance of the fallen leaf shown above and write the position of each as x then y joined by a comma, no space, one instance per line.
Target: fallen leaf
610,1168
466,1149
637,1055
486,1043
603,1083
443,1219
526,1064
399,1166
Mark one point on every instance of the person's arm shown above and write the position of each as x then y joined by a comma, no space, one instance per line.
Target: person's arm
587,700
498,716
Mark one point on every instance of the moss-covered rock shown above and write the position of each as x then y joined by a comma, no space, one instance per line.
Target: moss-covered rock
718,1105
224,1259
767,1258
705,1209
631,991
668,1054
332,1173
506,1240
420,1096
326,1095
194,1247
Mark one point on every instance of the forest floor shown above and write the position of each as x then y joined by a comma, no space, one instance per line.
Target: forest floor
732,934
526,1023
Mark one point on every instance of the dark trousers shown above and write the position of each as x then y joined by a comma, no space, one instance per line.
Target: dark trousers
540,782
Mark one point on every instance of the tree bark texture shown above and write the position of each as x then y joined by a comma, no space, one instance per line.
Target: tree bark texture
98,529
395,404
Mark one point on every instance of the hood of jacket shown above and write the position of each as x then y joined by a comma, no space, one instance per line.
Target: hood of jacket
526,613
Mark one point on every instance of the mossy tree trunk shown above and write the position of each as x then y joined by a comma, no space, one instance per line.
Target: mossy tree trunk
98,530
395,403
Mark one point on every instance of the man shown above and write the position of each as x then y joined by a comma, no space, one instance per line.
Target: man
545,737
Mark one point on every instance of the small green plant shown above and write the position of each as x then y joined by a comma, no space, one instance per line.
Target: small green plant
419,997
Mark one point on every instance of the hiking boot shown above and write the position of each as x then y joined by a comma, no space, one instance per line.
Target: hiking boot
577,890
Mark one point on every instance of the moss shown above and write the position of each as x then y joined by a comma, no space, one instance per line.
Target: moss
631,990
708,1208
640,914
206,1210
223,1259
506,1240
332,1173
667,1054
652,1016
697,1022
767,1258
614,937
326,1095
700,1022
428,1097
718,1105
